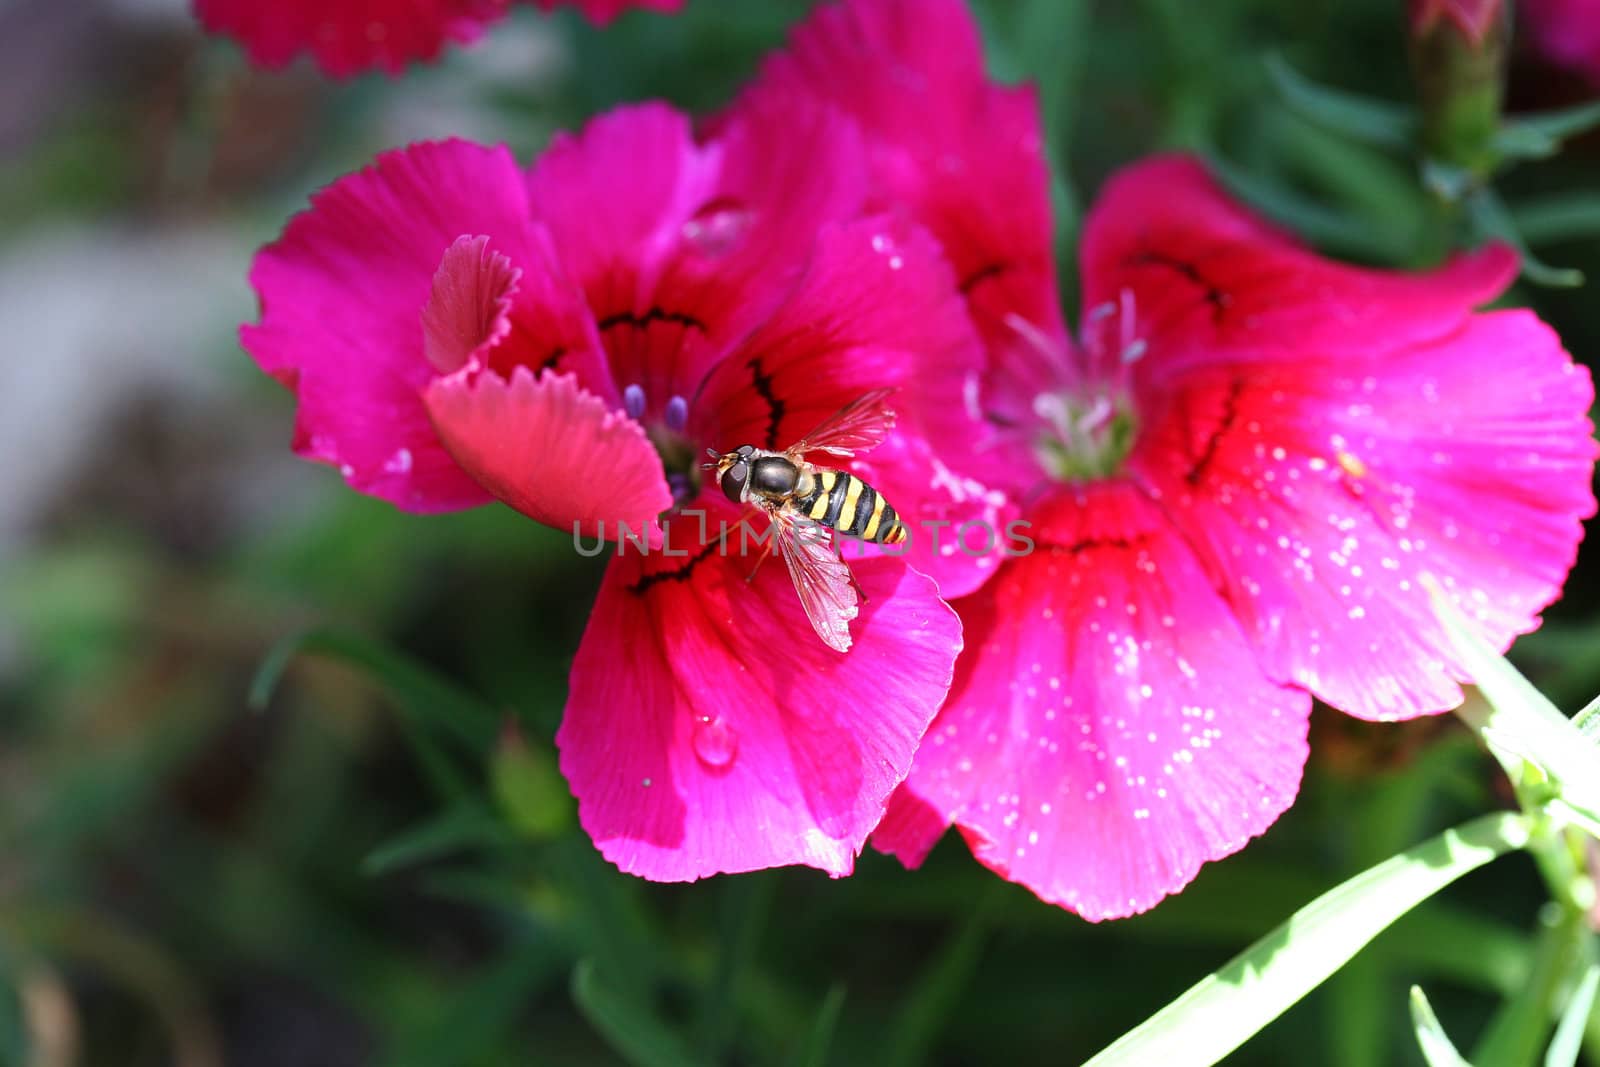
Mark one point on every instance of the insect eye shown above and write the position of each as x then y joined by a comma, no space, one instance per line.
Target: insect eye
733,481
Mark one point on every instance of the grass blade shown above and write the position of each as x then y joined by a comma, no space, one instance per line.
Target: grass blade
1437,1048
1568,1041
1373,121
452,830
1227,1007
421,693
429,705
1493,219
929,1004
1522,1023
814,1052
633,1033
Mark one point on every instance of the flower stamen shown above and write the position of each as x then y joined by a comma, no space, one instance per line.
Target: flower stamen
633,401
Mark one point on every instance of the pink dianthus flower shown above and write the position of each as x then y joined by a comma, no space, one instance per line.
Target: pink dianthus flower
348,37
570,340
1237,477
1565,31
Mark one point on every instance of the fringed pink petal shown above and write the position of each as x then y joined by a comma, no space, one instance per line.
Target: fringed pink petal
342,297
683,248
708,729
961,154
1204,279
347,37
469,308
1320,490
551,450
1109,730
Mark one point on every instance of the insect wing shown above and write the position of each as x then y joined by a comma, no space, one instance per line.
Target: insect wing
820,577
859,426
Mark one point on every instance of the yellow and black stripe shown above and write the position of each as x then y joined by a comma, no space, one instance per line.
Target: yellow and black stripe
841,501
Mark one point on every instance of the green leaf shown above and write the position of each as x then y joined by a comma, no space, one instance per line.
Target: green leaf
430,706
631,1031
1517,723
931,1001
1522,1023
1588,721
1309,218
1558,217
483,1013
1437,1048
1492,220
745,905
451,830
814,1050
1224,1009
1540,136
422,694
1361,118
1564,1047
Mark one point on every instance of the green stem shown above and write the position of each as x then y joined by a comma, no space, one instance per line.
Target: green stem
1522,1024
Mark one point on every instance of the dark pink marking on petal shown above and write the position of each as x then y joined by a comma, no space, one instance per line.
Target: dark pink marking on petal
1320,490
877,307
616,197
1208,279
1109,730
347,37
710,730
551,450
683,248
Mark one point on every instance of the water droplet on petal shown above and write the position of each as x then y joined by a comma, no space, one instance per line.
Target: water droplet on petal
399,463
718,227
715,742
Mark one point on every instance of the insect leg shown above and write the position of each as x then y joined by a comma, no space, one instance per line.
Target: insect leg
838,547
766,549
765,552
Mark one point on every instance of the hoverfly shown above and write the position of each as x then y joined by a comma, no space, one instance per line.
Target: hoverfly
805,502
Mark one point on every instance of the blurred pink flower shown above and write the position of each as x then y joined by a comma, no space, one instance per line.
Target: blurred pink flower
569,340
348,37
1567,32
1236,478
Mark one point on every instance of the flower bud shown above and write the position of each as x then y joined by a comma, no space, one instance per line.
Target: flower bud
1458,53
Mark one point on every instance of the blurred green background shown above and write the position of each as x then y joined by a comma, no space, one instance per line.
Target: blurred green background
375,865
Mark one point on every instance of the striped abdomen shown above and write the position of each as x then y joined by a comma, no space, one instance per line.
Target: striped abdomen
843,502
